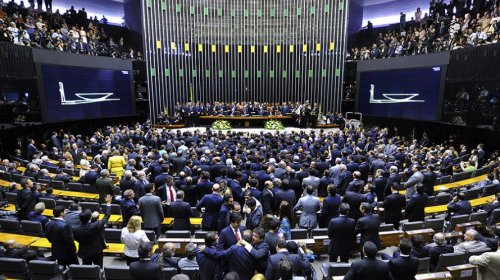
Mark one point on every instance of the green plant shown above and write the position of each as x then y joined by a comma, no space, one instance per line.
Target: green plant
274,125
221,125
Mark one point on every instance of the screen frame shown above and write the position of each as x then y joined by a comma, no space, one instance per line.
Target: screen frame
43,100
407,62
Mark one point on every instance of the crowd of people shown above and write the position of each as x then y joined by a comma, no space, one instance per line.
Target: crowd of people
248,188
305,114
72,31
452,26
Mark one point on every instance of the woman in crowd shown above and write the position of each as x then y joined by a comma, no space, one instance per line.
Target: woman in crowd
116,164
133,236
287,220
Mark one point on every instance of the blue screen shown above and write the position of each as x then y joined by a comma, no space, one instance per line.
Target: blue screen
76,93
401,93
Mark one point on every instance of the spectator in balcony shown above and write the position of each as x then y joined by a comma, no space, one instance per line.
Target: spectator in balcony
402,21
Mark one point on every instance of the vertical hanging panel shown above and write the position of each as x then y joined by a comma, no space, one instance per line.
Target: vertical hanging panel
231,51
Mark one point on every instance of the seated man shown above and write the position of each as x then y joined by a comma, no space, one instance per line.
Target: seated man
440,248
166,257
471,242
190,259
17,251
36,216
459,205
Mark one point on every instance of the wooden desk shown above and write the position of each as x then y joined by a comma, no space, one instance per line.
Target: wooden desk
246,118
427,233
321,244
390,238
76,195
169,221
433,276
463,272
465,226
21,239
22,169
459,184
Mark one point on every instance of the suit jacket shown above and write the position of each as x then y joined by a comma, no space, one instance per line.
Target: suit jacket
260,253
380,183
341,234
462,207
434,254
354,200
210,262
181,212
489,265
253,219
129,209
403,268
242,262
32,216
151,210
393,178
267,201
223,218
367,268
126,184
429,181
393,204
25,203
300,266
415,179
415,209
145,269
60,236
90,236
369,226
287,195
212,203
310,205
329,210
227,237
104,186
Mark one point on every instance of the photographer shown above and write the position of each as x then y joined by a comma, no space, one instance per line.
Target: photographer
467,166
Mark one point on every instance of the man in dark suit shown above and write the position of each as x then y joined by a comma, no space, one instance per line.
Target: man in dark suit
429,180
341,234
267,198
90,236
241,260
300,265
356,181
181,212
343,180
492,206
394,177
415,209
127,182
140,184
260,249
393,204
212,203
144,268
440,248
25,202
210,260
459,205
254,214
369,267
17,251
231,234
128,206
60,236
354,199
380,182
368,226
225,212
405,266
285,193
104,186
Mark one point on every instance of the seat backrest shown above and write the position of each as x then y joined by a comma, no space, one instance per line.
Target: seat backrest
10,225
423,265
17,178
152,236
65,203
88,188
11,197
113,235
14,268
6,176
444,180
115,209
386,227
44,269
76,187
476,253
93,206
436,224
49,202
459,219
85,272
32,228
490,190
57,185
443,198
118,273
298,233
431,200
495,214
338,269
200,234
178,234
479,216
471,194
192,272
319,232
450,259
413,226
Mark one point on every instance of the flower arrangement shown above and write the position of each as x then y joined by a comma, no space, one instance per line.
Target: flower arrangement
20,119
274,125
221,125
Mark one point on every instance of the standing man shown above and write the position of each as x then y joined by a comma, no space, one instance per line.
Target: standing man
260,249
225,212
416,178
104,186
368,226
60,235
128,206
151,210
254,214
231,234
90,236
181,212
429,180
341,233
145,268
212,203
267,198
393,204
309,205
415,209
405,266
25,202
369,267
48,5
167,194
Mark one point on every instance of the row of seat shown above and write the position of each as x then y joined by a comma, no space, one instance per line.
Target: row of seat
40,270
